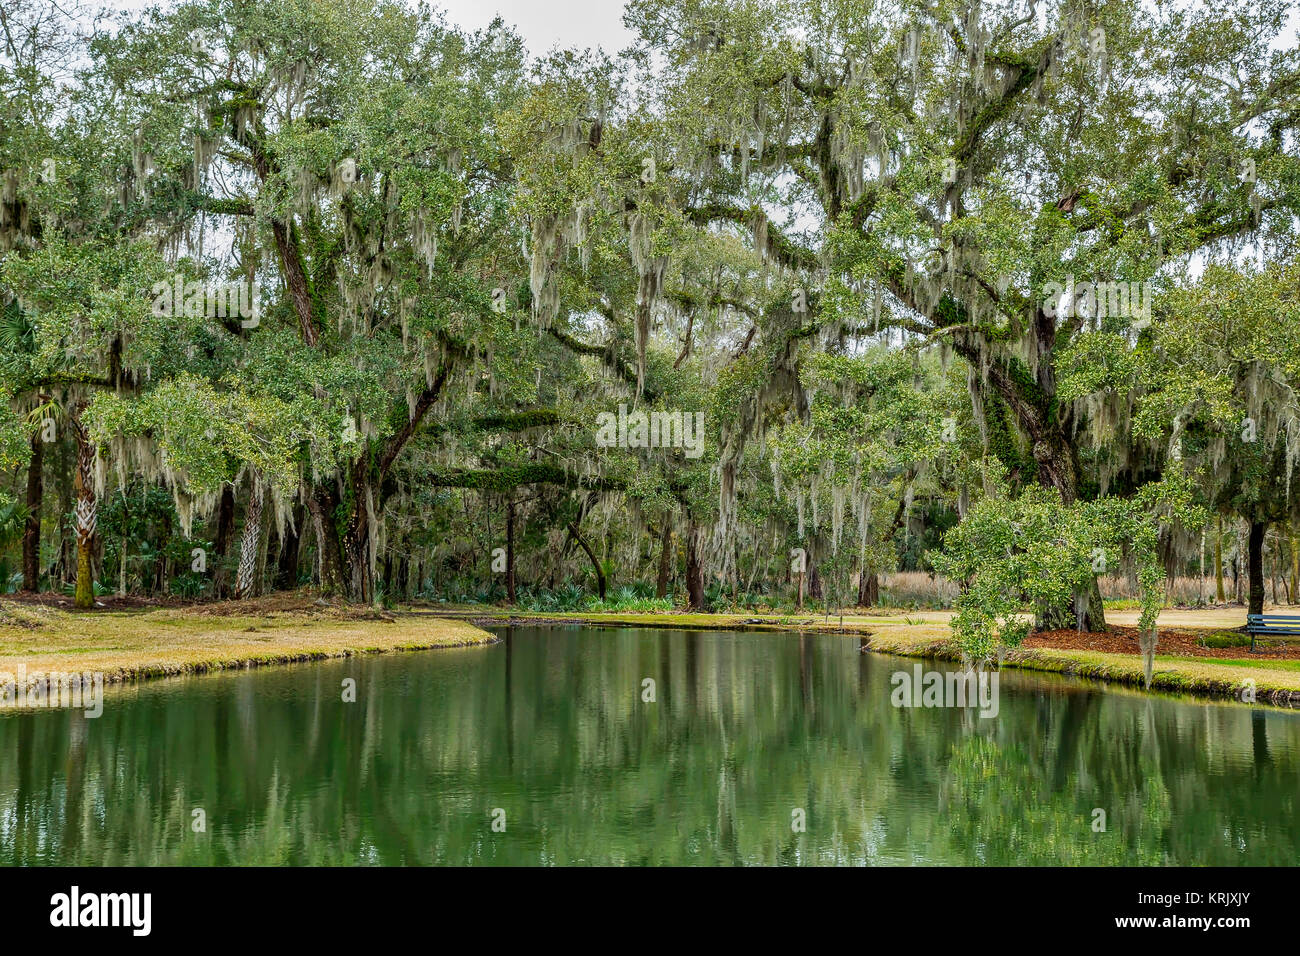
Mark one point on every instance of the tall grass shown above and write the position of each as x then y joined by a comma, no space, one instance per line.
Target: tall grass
1180,591
915,589
904,590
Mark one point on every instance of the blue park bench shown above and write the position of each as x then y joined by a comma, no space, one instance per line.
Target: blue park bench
1265,625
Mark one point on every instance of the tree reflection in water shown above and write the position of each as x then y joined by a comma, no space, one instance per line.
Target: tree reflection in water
550,726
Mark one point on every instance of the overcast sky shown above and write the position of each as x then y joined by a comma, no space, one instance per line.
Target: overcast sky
542,23
547,23
574,23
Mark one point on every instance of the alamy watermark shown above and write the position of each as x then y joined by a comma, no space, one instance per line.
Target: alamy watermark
964,688
52,690
1099,300
75,908
651,430
240,299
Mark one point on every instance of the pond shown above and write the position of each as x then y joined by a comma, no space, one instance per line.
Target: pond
553,747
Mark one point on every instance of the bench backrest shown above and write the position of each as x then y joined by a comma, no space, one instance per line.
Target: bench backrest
1273,623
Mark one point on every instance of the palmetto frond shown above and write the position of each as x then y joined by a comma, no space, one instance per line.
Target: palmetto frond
13,519
17,331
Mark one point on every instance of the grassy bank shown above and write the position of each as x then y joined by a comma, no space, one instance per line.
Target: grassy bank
1276,682
926,634
131,645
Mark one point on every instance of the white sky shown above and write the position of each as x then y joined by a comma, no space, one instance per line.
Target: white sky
547,23
542,23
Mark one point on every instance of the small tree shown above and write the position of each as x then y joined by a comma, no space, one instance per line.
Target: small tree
1036,551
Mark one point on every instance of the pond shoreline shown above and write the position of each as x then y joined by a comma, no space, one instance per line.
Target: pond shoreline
129,646
1123,673
1205,678
134,646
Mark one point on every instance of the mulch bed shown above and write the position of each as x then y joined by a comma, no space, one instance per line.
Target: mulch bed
1124,640
104,602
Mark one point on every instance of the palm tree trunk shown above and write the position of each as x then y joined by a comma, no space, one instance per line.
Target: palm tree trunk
84,482
246,578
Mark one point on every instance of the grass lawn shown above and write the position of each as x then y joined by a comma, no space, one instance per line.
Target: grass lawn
126,645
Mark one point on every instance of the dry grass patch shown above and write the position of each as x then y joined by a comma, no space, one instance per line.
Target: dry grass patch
125,645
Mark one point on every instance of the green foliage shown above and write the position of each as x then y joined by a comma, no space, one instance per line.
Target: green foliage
1033,551
770,213
205,435
1225,639
887,433
142,519
630,599
13,518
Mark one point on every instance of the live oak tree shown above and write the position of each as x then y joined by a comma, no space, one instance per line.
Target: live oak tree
344,147
91,333
54,186
79,261
1221,379
601,170
1034,549
614,249
944,162
833,228
886,431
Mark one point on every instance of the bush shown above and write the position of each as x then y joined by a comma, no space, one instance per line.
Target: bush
1225,639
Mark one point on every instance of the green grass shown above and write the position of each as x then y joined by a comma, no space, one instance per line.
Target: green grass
1262,664
1274,681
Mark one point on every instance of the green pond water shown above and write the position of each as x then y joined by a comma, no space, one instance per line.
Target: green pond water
757,749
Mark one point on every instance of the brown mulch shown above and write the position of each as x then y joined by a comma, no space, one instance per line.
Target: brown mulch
106,602
1124,640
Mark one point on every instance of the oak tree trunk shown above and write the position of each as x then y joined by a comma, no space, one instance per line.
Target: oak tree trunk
591,556
1219,596
286,573
510,550
221,546
665,561
868,588
1255,566
694,570
329,556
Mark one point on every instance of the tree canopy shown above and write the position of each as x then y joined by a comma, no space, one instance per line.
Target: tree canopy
978,290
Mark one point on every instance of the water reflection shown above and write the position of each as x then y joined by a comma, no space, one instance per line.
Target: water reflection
550,727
